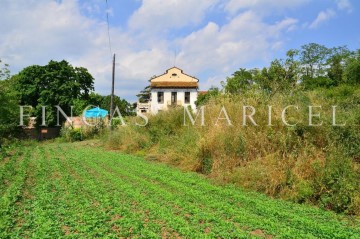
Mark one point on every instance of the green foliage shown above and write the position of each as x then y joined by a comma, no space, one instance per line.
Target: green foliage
319,82
283,74
70,134
313,57
304,191
103,102
57,83
4,71
336,185
144,95
240,81
352,71
9,112
313,66
130,139
80,191
204,98
8,107
336,70
165,124
206,165
124,106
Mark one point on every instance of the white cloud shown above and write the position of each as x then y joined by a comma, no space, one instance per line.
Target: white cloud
43,30
222,50
344,5
40,31
262,6
159,15
53,30
322,17
48,30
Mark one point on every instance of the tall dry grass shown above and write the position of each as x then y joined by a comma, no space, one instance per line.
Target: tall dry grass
317,165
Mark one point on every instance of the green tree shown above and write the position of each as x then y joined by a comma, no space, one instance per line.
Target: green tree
57,83
103,102
281,76
144,95
239,82
336,64
80,105
336,70
277,76
4,71
124,106
313,58
352,69
8,106
261,78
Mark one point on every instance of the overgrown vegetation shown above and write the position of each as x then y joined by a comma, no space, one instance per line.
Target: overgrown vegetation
8,106
71,134
302,163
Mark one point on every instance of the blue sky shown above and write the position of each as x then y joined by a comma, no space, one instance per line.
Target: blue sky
212,38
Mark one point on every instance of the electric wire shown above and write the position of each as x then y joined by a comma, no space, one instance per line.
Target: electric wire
108,26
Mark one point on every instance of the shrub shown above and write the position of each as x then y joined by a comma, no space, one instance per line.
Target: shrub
336,184
71,135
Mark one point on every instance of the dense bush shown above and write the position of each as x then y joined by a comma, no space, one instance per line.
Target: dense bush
71,134
9,110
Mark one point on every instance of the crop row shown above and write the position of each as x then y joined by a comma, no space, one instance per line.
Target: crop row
55,191
216,204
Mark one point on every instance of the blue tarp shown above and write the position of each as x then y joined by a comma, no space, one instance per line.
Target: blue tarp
96,113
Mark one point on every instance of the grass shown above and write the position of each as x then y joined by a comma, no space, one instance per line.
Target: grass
81,191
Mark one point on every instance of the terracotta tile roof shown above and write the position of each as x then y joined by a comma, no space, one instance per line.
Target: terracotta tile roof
175,84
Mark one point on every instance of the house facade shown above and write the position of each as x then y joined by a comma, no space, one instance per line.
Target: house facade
171,89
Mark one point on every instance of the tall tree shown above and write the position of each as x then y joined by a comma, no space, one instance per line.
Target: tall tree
240,81
336,64
352,69
313,58
57,83
261,78
144,95
4,70
281,76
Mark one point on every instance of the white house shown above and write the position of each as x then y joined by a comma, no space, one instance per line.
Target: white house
173,88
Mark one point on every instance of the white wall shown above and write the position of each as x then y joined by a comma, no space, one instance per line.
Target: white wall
155,106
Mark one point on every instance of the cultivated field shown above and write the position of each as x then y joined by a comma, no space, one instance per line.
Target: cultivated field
81,191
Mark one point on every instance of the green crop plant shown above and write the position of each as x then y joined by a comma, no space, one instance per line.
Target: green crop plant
71,191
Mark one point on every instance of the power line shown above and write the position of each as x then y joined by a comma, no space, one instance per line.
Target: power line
108,26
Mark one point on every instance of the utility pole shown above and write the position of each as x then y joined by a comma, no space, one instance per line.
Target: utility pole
112,94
